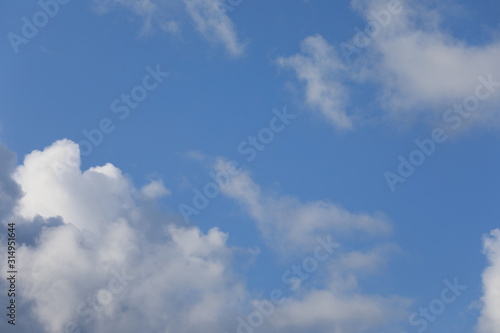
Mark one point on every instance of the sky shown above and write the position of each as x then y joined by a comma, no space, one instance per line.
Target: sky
250,166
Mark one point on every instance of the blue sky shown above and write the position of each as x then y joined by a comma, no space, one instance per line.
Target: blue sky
325,173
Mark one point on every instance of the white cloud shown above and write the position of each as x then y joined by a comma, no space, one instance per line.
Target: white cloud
419,69
54,187
353,312
367,261
109,264
155,190
292,226
321,70
182,279
209,17
342,305
419,65
212,21
489,321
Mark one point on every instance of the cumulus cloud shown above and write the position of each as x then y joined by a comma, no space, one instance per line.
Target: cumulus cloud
86,199
489,321
419,69
117,281
208,16
94,268
89,260
419,64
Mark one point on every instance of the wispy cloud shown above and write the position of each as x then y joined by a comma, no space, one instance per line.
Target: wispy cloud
208,16
292,226
322,72
214,24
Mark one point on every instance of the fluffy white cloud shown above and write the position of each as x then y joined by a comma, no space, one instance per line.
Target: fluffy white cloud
94,257
420,66
489,322
209,17
419,69
54,186
100,270
321,70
